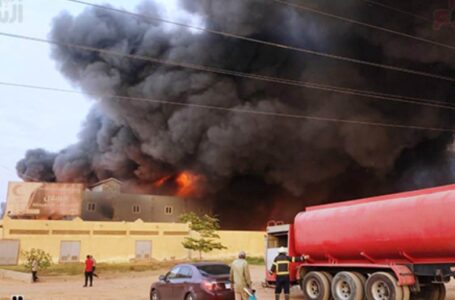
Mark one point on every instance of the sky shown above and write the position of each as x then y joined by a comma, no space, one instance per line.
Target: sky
32,118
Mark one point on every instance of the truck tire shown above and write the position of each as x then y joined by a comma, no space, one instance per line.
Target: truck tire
329,277
347,286
442,291
315,286
406,292
383,286
363,279
430,292
435,291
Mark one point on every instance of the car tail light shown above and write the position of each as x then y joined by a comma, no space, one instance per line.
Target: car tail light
212,286
208,285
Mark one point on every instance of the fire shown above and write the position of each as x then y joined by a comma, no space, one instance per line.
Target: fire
186,182
161,181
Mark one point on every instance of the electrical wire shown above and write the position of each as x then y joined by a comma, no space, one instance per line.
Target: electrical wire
290,82
364,24
236,110
422,18
272,44
8,170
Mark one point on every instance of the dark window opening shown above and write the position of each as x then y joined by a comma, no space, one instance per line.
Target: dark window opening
169,210
136,209
91,207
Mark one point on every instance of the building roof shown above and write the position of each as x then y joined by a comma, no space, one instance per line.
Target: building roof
105,181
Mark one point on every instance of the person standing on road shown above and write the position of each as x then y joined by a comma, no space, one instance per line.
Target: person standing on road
94,266
280,268
240,276
88,271
35,270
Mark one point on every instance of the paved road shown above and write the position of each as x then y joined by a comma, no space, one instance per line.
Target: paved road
124,286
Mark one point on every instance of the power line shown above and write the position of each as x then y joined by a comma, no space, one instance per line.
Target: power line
290,82
422,18
15,174
273,44
364,24
236,110
8,169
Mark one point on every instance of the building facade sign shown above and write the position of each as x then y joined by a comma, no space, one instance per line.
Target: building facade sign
44,200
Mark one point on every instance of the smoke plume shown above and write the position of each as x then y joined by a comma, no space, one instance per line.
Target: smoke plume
270,167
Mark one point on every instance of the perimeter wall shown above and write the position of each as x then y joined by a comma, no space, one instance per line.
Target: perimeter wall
71,241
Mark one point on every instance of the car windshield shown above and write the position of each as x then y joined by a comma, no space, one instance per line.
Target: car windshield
215,270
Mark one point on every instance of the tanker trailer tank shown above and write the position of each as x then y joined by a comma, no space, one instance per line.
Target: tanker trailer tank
394,247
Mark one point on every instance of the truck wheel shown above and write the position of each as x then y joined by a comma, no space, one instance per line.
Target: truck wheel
329,277
442,291
383,286
347,286
406,292
363,279
430,292
315,286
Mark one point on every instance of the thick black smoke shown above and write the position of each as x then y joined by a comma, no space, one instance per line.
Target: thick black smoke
271,166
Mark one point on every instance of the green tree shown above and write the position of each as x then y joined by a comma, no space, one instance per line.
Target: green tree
206,227
43,258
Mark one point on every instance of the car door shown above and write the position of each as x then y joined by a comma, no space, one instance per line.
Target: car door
182,283
166,291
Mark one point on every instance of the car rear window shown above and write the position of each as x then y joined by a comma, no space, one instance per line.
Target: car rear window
214,270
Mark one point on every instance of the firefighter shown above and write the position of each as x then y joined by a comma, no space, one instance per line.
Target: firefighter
280,268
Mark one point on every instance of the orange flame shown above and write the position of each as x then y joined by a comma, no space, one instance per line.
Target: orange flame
187,183
161,181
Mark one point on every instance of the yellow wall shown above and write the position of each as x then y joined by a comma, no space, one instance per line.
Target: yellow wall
252,242
115,241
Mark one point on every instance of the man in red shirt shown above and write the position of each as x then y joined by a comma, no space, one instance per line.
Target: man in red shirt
88,270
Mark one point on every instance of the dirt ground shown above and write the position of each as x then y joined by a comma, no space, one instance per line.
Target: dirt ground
122,286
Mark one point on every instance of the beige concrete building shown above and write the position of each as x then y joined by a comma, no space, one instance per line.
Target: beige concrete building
103,201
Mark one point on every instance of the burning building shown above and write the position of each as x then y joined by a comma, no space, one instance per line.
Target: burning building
102,201
266,165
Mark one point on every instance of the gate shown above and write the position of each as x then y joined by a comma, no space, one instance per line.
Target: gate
70,251
143,249
9,252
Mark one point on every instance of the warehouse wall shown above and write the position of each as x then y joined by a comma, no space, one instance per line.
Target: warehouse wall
116,241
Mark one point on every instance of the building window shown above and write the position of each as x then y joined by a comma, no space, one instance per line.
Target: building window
168,210
91,207
136,209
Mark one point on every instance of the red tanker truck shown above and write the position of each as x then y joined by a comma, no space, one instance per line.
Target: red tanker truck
393,247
